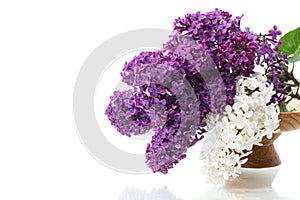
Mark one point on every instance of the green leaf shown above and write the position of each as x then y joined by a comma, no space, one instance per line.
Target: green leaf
296,56
291,45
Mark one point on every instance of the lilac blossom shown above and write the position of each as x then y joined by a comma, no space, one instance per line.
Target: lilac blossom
194,74
234,51
170,80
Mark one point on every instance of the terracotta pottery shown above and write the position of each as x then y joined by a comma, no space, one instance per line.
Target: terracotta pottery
264,163
266,155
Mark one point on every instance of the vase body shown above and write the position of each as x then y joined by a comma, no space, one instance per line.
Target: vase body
264,163
266,155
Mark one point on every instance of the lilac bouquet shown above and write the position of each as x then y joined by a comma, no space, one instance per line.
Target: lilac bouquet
210,74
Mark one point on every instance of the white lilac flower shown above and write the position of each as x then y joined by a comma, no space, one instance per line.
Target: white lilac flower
241,126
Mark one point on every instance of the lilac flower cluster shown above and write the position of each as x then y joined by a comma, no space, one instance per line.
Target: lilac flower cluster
234,51
210,29
273,64
195,73
169,80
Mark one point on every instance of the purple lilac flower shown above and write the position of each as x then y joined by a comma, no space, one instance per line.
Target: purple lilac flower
195,73
173,78
127,118
210,29
169,145
234,51
274,65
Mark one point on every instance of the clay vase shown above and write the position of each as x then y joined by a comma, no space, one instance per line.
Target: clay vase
266,155
264,163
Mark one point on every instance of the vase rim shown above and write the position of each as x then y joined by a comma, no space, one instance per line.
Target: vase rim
289,112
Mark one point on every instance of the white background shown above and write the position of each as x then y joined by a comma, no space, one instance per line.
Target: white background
42,47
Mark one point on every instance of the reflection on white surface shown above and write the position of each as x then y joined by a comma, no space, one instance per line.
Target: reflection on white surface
164,193
222,194
155,194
